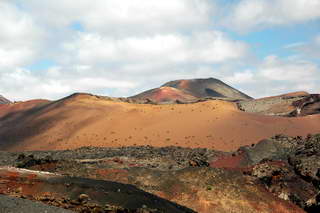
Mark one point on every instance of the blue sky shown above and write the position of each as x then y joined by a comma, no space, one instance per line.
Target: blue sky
50,49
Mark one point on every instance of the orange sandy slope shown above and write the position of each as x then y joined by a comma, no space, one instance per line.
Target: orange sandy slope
84,120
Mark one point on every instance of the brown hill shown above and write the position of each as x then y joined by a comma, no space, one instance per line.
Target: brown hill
3,100
87,120
210,87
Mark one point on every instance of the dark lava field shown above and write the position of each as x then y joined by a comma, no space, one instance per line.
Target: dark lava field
280,174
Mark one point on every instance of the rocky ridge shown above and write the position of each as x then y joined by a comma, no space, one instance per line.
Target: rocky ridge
289,105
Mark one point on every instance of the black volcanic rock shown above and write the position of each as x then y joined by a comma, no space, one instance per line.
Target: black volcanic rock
19,205
3,100
306,159
282,180
289,167
210,87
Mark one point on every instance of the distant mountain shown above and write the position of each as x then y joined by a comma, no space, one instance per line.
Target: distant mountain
210,87
3,100
191,91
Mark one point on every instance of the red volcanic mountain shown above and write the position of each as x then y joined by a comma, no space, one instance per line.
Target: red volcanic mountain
210,87
165,95
192,90
3,100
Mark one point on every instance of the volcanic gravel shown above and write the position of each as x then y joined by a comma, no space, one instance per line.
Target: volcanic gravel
18,205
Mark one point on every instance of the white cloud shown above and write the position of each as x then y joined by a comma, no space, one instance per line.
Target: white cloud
126,47
246,76
19,37
249,15
201,47
124,16
123,42
308,49
274,76
20,84
149,61
276,69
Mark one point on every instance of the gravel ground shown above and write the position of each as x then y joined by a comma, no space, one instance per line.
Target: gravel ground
18,205
151,157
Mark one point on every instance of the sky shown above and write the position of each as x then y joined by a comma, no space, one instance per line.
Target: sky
51,49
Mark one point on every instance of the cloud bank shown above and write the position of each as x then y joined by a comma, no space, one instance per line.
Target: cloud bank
49,49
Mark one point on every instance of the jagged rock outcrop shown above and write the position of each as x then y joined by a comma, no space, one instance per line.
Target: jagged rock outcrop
289,167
